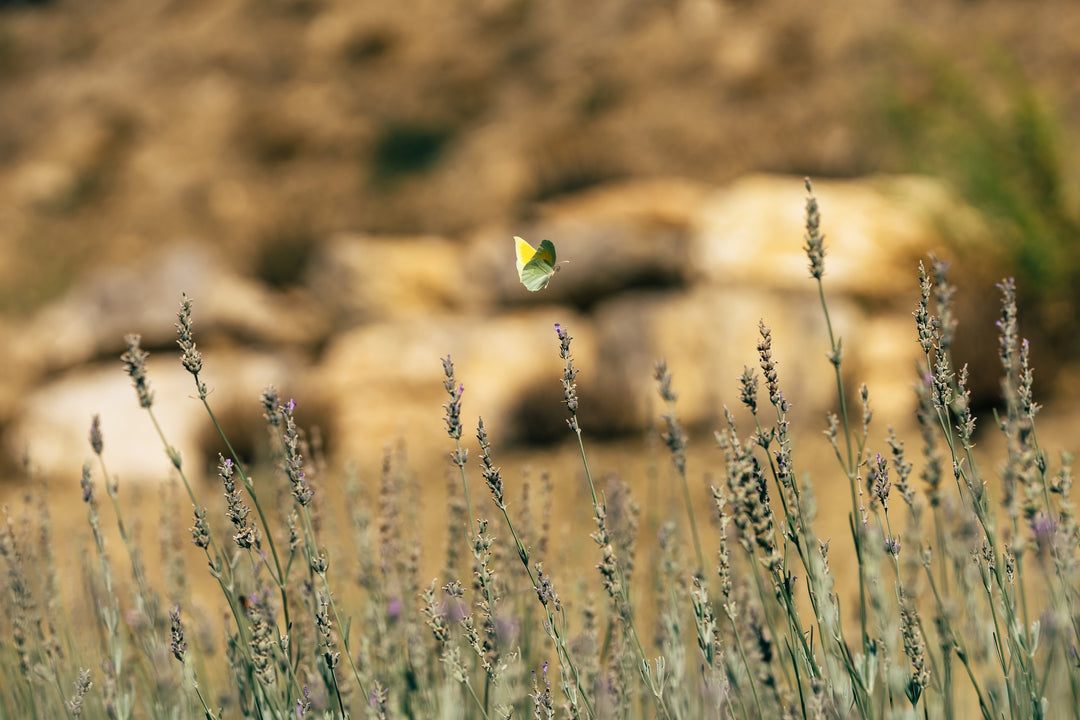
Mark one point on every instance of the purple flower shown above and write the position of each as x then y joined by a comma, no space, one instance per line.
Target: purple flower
1044,528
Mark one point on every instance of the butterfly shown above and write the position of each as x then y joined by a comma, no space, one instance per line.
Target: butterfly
535,266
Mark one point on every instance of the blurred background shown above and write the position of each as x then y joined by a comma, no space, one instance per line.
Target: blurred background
335,183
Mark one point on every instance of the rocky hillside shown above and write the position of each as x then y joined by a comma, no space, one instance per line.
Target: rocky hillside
262,125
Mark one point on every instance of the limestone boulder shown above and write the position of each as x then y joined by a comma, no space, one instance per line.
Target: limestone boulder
53,422
876,232
384,381
750,236
359,279
90,321
706,337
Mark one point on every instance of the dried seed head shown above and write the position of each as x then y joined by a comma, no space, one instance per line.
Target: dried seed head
815,241
452,408
97,443
294,461
190,357
492,475
82,686
271,403
1008,328
134,360
569,374
200,531
176,634
768,365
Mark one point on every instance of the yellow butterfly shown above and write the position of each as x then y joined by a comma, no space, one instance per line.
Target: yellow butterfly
535,266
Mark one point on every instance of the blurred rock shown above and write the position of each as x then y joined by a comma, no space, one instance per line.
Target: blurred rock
78,155
52,381
91,320
53,421
385,380
358,279
707,336
750,236
751,233
44,185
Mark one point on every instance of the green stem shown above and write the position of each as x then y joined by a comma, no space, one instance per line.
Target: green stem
625,612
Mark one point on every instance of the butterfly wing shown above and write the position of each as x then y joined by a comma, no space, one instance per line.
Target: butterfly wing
524,253
536,274
546,252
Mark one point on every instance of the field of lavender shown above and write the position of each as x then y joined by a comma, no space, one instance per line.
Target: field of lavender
963,600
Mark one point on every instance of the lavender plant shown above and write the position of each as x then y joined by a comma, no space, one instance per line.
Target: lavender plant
963,599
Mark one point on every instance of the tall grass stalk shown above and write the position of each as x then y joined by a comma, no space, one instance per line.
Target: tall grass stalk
675,438
612,568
